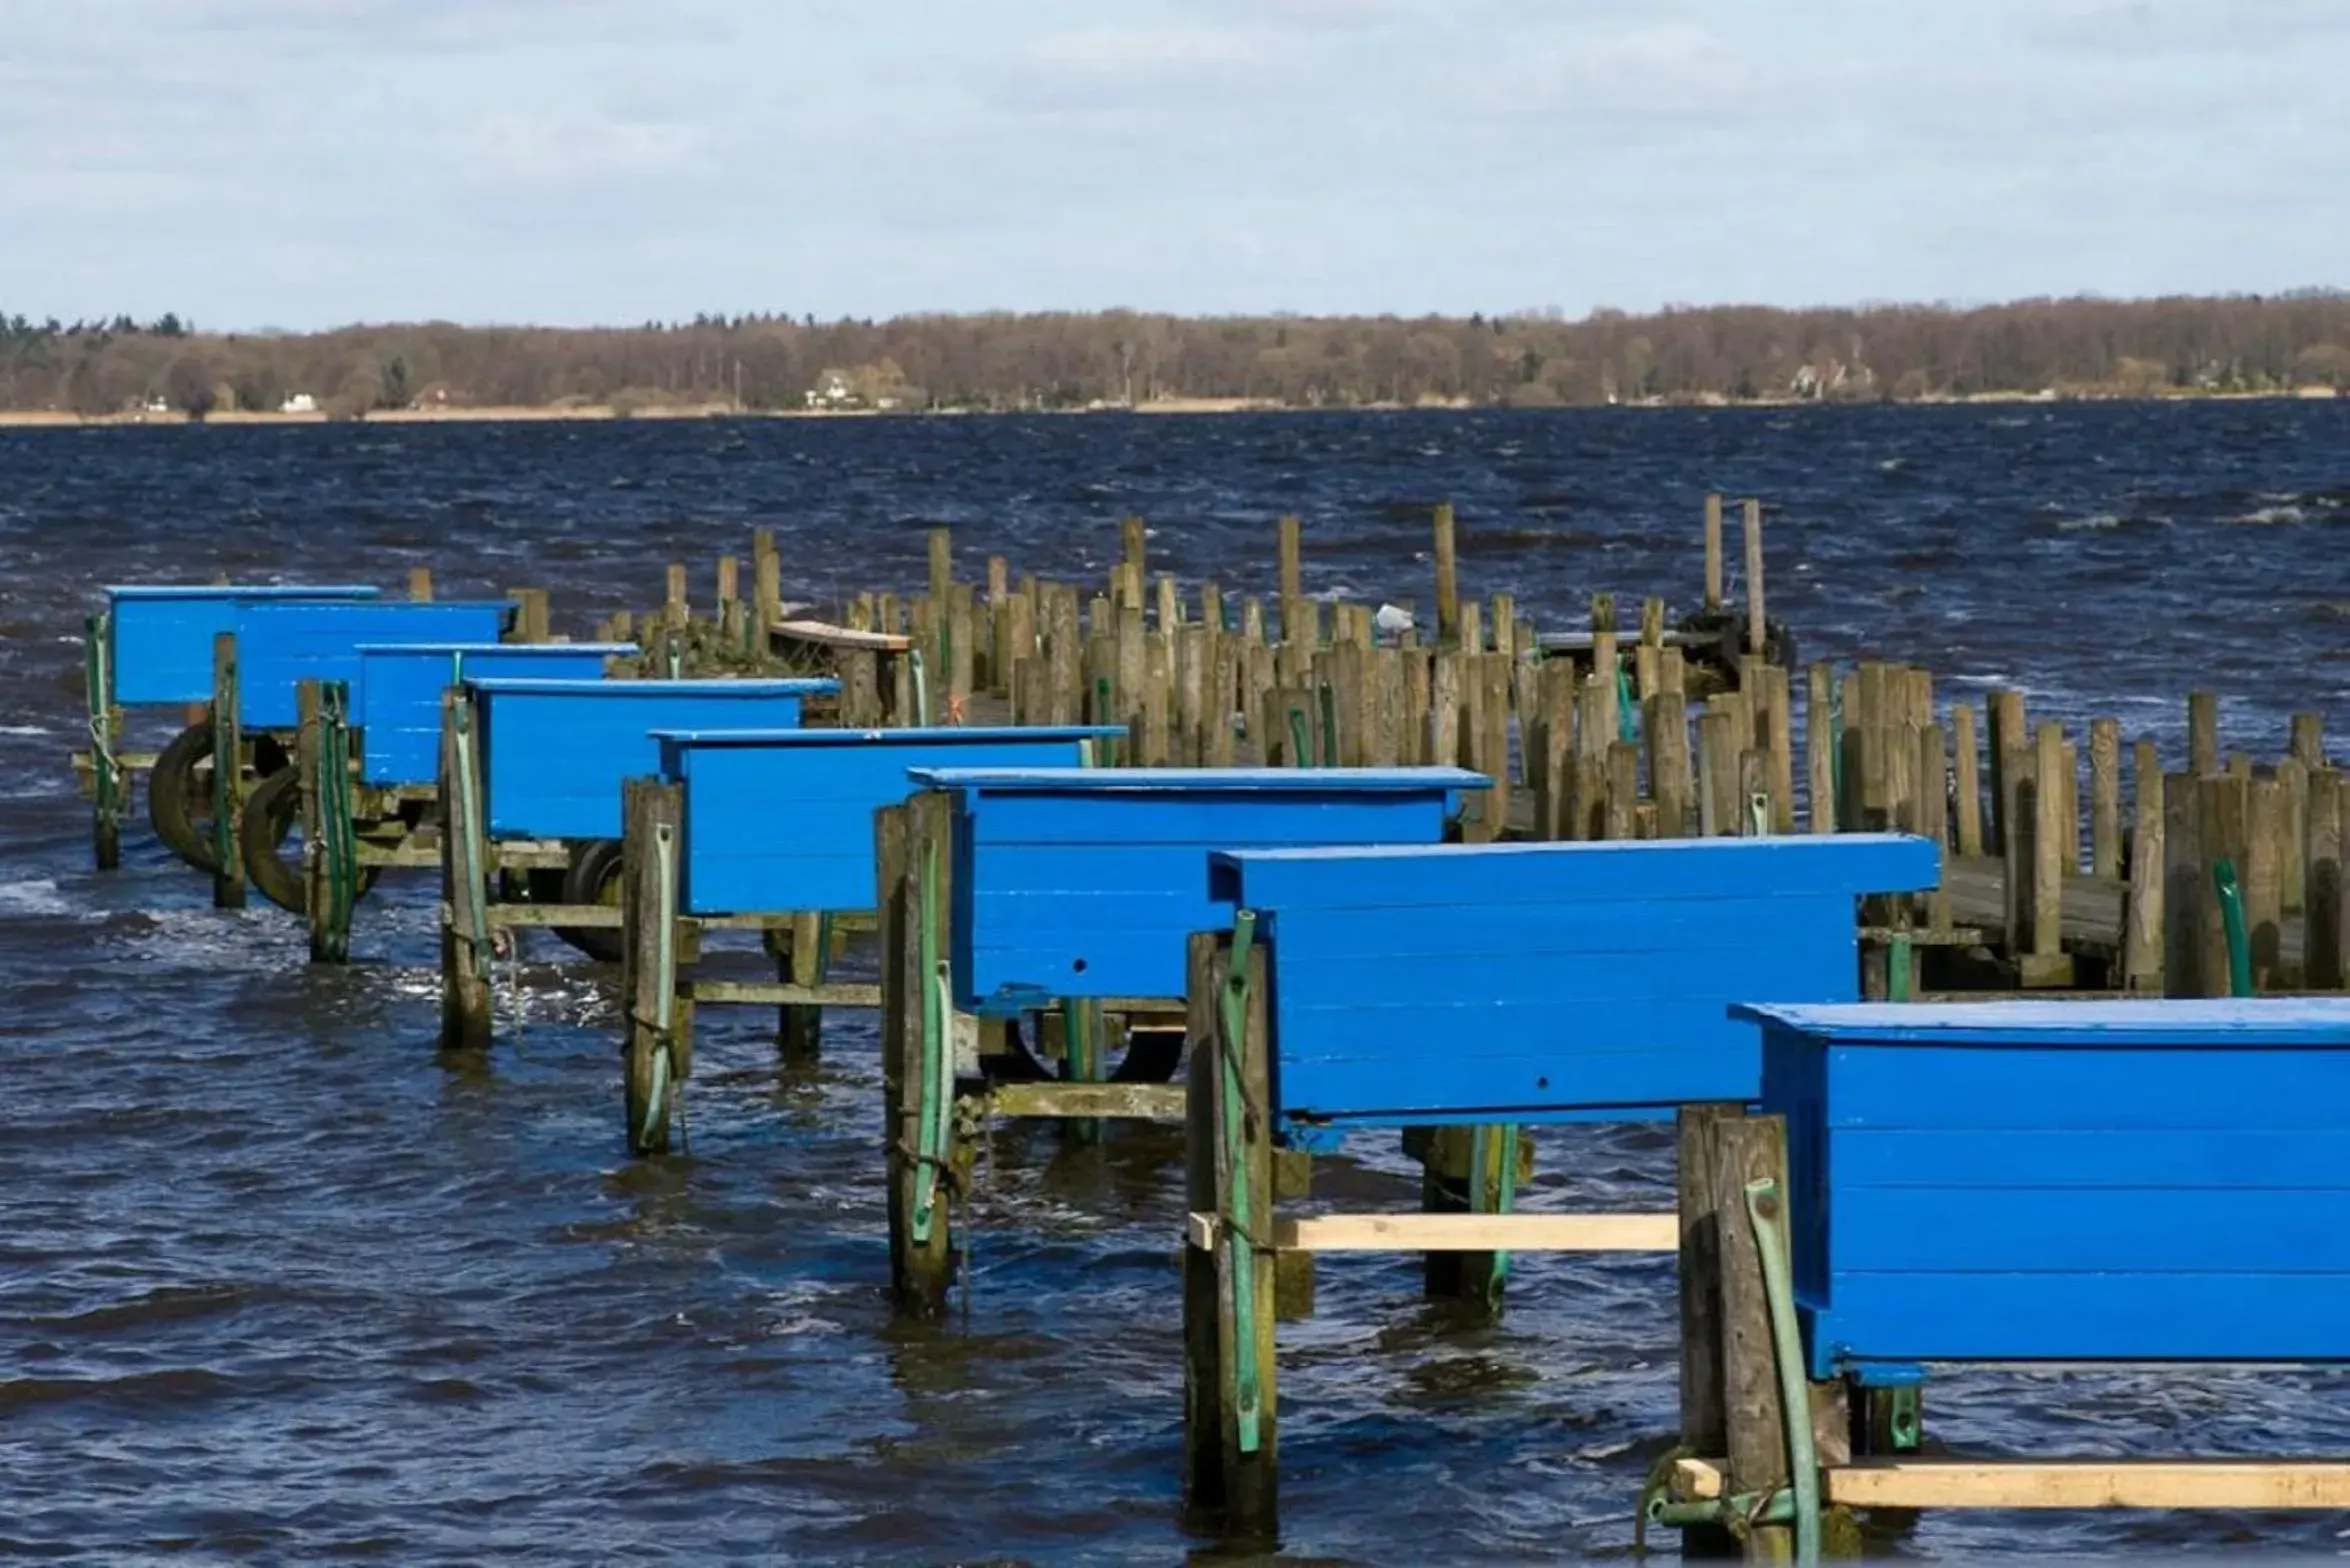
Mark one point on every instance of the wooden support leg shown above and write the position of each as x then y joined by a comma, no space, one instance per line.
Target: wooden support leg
228,794
1497,1159
1084,1033
106,779
465,935
917,1049
1293,1272
317,897
656,1053
1704,1424
1231,1463
805,962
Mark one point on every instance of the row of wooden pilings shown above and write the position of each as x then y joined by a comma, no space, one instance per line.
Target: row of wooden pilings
2103,882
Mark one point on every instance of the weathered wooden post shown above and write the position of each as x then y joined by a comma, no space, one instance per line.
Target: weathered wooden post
1448,584
657,1055
1757,636
2202,733
465,931
2325,930
926,1158
1713,552
228,794
1822,746
420,584
108,781
2143,915
804,963
1230,1447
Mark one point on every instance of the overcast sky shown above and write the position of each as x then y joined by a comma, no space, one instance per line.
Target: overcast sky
299,163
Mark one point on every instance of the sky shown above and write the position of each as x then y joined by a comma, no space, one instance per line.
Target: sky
304,163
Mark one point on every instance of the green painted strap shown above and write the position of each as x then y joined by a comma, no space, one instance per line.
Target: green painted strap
104,782
1239,1227
1301,740
1763,1208
2231,914
468,845
921,681
930,1118
1900,954
1329,726
339,840
1485,1143
1627,711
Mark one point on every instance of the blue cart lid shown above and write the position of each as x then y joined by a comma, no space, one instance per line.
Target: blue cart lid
243,591
2250,1022
1238,780
545,686
932,735
526,648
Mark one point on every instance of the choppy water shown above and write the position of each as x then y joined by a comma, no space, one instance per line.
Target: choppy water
278,1282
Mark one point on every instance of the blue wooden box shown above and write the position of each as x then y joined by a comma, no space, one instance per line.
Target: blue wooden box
2066,1181
283,642
554,753
1544,982
397,700
161,638
1072,882
780,823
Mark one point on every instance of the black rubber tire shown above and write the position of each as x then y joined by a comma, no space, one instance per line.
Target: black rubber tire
271,812
179,797
593,878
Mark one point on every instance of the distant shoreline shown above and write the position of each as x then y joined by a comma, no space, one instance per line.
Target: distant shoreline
44,419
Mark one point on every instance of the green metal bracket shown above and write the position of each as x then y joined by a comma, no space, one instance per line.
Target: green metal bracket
1101,715
2231,914
930,1132
468,845
1900,964
1486,1144
1902,1421
664,977
1627,711
1329,725
1764,1210
1301,743
1758,815
1239,1239
338,839
921,678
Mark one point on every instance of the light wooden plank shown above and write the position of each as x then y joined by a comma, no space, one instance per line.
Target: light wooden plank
1157,1102
825,634
584,916
1468,1232
783,994
2092,1483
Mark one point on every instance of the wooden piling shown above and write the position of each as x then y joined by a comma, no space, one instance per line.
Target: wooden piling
1231,1448
228,793
2007,741
2325,930
1966,783
2052,832
1821,746
2142,915
465,951
1719,810
1757,636
2262,881
1665,725
675,611
2202,733
913,864
317,898
1623,790
1448,590
1747,1149
2225,830
1713,552
804,961
2308,744
420,584
659,1028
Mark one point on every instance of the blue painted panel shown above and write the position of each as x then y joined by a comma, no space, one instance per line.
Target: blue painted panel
779,822
162,637
1546,981
1089,883
282,643
2069,1181
397,700
554,753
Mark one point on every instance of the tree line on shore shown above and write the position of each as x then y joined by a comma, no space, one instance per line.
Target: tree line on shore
2081,346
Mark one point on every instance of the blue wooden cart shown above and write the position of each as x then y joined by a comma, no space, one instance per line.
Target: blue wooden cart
152,646
365,784
769,830
2089,1183
1488,988
1022,889
531,776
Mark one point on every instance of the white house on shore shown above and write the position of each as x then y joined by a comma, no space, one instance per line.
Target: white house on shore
299,403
